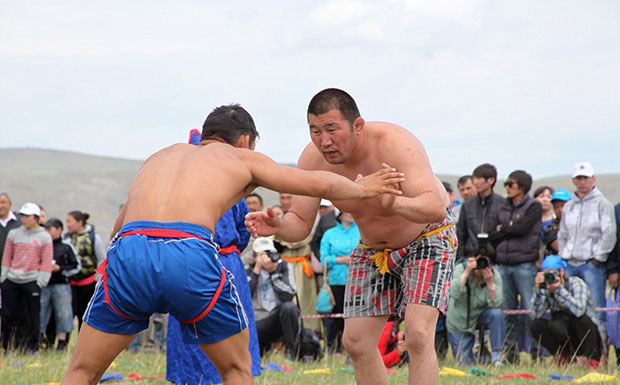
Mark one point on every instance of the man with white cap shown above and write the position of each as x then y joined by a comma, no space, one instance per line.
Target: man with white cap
272,284
587,233
26,268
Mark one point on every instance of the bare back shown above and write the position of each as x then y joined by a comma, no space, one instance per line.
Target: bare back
382,143
186,183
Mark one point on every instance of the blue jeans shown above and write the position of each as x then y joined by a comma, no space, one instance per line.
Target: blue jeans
518,284
595,279
462,343
59,297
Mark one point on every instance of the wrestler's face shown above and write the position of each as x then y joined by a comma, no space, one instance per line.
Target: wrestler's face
333,135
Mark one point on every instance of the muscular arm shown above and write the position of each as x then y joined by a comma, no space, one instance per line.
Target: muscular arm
424,198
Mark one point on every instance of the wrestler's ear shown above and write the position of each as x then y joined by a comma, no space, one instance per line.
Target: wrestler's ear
358,125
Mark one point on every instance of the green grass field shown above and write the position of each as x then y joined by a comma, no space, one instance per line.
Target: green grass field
49,367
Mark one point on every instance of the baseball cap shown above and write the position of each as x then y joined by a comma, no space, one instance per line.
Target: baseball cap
263,244
561,195
30,209
325,202
53,222
553,262
583,169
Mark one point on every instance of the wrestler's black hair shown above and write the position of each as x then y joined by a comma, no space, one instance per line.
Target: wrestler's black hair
523,179
229,123
331,98
486,171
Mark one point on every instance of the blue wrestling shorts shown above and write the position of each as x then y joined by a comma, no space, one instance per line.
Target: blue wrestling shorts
173,268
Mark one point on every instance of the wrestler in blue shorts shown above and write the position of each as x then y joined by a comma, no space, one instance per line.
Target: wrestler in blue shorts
171,268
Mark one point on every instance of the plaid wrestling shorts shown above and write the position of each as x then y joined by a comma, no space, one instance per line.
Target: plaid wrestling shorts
382,282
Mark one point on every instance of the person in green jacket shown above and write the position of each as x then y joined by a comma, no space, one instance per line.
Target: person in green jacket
475,300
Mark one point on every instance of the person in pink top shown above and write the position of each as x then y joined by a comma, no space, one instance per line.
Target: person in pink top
26,268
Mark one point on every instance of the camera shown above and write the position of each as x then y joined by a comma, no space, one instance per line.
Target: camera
482,262
550,278
275,257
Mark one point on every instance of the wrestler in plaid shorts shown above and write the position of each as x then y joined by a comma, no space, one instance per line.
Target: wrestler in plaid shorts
420,273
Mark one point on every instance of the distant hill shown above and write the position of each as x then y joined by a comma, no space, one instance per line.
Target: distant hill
63,181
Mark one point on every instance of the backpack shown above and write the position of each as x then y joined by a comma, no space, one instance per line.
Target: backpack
309,348
613,318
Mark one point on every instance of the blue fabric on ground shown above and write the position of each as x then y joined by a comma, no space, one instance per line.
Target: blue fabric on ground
187,364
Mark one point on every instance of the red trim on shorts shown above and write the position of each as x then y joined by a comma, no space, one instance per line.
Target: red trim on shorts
160,233
213,300
102,270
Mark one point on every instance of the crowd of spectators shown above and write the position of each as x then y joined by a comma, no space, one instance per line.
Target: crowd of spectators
548,255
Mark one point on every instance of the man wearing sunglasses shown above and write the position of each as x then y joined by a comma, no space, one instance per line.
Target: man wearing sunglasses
516,241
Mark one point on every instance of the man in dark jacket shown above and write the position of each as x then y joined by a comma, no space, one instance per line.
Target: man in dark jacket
516,241
272,284
612,266
57,293
478,214
8,220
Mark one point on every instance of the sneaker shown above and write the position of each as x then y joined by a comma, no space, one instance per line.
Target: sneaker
593,364
498,363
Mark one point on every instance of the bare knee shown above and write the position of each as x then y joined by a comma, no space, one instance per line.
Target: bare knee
238,370
356,344
81,372
419,340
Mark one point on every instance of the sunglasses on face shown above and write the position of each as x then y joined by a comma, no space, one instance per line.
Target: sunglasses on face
509,183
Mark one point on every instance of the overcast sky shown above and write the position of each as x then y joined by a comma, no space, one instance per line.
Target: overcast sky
521,84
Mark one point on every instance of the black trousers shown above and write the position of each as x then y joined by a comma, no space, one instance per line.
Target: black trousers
81,298
283,323
335,326
567,334
14,296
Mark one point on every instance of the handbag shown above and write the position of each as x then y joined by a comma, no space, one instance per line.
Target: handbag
325,300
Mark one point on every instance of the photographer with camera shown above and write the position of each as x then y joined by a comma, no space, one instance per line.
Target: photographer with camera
475,300
574,328
272,284
517,241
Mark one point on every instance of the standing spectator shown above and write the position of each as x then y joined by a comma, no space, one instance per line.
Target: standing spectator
272,284
8,220
91,252
451,194
479,214
466,187
327,220
57,294
26,268
613,262
255,204
517,242
285,201
336,247
43,217
587,233
574,328
543,195
550,234
475,300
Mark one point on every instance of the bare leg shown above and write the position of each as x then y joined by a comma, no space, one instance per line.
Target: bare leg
94,352
232,358
420,324
361,339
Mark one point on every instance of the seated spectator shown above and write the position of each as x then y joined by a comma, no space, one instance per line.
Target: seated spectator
475,300
26,268
574,328
392,345
337,245
57,294
550,233
517,242
272,284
